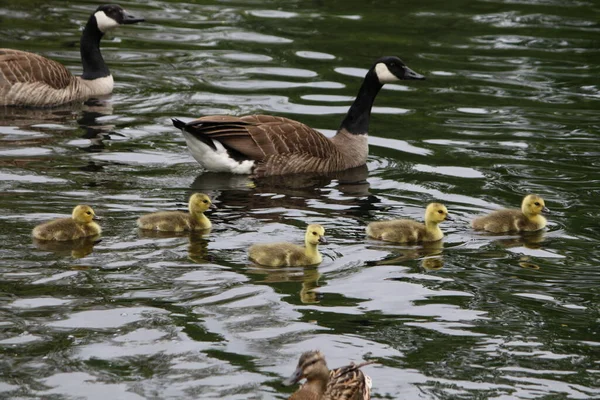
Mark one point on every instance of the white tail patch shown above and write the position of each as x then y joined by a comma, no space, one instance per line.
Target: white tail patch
104,22
217,161
384,74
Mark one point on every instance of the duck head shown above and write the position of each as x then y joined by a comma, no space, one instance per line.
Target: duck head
311,366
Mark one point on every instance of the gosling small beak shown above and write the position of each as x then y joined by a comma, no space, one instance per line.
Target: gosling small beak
449,218
546,210
410,74
96,218
296,376
322,240
212,206
130,19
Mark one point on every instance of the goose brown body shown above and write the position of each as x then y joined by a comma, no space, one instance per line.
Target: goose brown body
527,219
288,254
409,231
179,221
265,145
80,225
345,383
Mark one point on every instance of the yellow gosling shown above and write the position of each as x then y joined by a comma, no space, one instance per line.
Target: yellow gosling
409,231
345,383
81,224
290,255
179,221
527,219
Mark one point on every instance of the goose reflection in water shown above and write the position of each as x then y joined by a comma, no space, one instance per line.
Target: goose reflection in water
198,242
429,254
307,276
78,248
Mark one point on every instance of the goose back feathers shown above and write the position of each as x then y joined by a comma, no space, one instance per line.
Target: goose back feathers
527,219
266,145
28,79
80,225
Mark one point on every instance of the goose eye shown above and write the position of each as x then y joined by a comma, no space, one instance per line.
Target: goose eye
440,211
205,201
537,203
314,233
89,213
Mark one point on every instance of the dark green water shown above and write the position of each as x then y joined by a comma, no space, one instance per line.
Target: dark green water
510,107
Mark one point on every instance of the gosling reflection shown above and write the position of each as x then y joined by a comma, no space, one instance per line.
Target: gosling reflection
308,276
78,248
198,241
429,253
530,240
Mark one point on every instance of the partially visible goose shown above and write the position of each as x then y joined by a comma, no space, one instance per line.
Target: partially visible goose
266,145
80,225
284,254
179,221
344,383
28,79
527,219
409,231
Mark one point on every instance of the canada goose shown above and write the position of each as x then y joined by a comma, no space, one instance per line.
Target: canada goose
290,255
526,219
179,221
266,145
345,383
409,231
28,79
81,224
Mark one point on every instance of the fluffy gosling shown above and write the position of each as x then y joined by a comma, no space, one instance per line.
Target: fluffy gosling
179,221
409,231
80,225
347,382
290,255
527,219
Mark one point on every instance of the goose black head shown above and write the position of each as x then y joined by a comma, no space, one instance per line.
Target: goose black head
110,16
390,69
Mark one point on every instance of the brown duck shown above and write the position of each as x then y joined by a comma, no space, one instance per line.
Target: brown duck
345,383
265,145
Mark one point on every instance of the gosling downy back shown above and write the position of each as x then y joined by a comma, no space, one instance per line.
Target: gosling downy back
28,79
527,219
179,221
285,254
265,145
345,383
80,225
409,231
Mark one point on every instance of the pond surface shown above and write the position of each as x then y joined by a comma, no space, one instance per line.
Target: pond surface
509,107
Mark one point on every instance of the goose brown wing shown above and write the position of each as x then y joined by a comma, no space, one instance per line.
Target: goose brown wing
259,137
23,67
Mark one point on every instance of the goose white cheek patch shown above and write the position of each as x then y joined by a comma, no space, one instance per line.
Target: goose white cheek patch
105,23
384,75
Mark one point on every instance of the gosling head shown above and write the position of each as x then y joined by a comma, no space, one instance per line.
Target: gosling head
315,234
199,202
436,213
533,205
84,214
311,366
390,69
110,16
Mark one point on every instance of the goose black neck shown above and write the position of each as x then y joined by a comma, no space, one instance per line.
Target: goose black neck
93,64
359,114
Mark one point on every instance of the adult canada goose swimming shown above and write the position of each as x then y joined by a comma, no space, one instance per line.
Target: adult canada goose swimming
80,225
179,221
409,231
28,79
266,145
285,254
344,383
527,219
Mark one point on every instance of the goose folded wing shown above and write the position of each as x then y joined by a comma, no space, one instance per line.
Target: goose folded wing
259,137
23,67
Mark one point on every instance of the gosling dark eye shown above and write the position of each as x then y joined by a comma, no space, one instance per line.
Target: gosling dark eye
314,233
440,211
205,201
537,203
89,213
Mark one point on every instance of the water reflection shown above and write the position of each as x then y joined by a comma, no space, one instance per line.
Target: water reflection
307,276
75,248
198,242
429,253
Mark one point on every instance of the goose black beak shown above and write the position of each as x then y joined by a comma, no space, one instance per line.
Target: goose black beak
96,218
410,74
449,218
323,240
296,376
546,210
130,19
212,206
